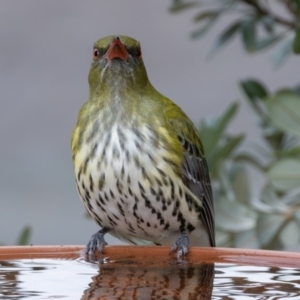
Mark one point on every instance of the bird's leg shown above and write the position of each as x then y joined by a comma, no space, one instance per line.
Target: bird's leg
96,242
181,245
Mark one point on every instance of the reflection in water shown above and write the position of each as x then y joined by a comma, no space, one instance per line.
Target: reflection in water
43,279
129,279
138,282
9,283
254,282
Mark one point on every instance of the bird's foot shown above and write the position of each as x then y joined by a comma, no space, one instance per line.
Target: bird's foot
96,242
181,245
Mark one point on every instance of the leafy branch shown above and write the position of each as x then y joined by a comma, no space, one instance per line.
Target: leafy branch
257,24
270,219
263,11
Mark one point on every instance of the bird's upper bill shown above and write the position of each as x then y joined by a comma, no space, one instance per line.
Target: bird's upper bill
116,50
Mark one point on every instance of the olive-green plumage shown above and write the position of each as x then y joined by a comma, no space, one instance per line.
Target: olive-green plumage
139,162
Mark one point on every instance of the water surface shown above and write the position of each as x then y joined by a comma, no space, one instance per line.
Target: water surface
77,279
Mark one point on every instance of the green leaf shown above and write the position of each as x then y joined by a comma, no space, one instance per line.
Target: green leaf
292,199
268,23
249,35
222,152
211,133
254,89
260,206
240,183
296,42
297,216
271,202
246,239
297,7
179,6
273,136
283,52
297,89
225,186
205,15
290,153
268,228
202,30
234,216
267,42
251,159
226,35
226,117
285,174
290,234
251,90
284,112
24,236
231,144
223,239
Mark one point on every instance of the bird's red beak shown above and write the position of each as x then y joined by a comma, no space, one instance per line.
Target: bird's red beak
116,50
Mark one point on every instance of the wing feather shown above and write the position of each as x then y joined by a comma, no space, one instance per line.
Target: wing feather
195,169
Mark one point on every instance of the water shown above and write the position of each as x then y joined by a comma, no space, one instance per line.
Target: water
77,279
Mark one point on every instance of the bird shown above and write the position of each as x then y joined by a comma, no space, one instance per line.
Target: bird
138,159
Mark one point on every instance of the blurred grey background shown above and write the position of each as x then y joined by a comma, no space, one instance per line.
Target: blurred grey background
45,54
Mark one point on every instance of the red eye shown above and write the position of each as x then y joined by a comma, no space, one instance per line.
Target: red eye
95,53
139,53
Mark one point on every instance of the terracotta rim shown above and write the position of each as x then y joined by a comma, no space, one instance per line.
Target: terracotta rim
157,253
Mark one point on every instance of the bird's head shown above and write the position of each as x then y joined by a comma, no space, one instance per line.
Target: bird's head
117,63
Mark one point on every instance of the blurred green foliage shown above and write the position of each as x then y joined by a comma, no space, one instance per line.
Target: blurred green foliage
270,220
255,21
24,236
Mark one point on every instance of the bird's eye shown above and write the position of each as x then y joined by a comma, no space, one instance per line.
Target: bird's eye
96,53
135,52
139,53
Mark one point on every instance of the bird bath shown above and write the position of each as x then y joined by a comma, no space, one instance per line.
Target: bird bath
136,272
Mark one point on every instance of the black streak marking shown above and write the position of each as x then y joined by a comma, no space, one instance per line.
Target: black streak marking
138,134
166,226
128,156
112,194
93,131
79,173
141,188
190,227
101,199
101,181
180,191
116,152
158,181
91,183
93,152
122,172
172,190
105,196
137,161
119,186
115,217
121,209
85,164
170,162
111,221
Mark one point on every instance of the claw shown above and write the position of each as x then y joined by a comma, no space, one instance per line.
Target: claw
96,242
181,245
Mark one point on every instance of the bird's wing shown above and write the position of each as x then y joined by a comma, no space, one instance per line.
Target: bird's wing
194,168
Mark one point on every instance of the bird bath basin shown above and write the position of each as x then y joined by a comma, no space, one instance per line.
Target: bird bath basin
134,272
